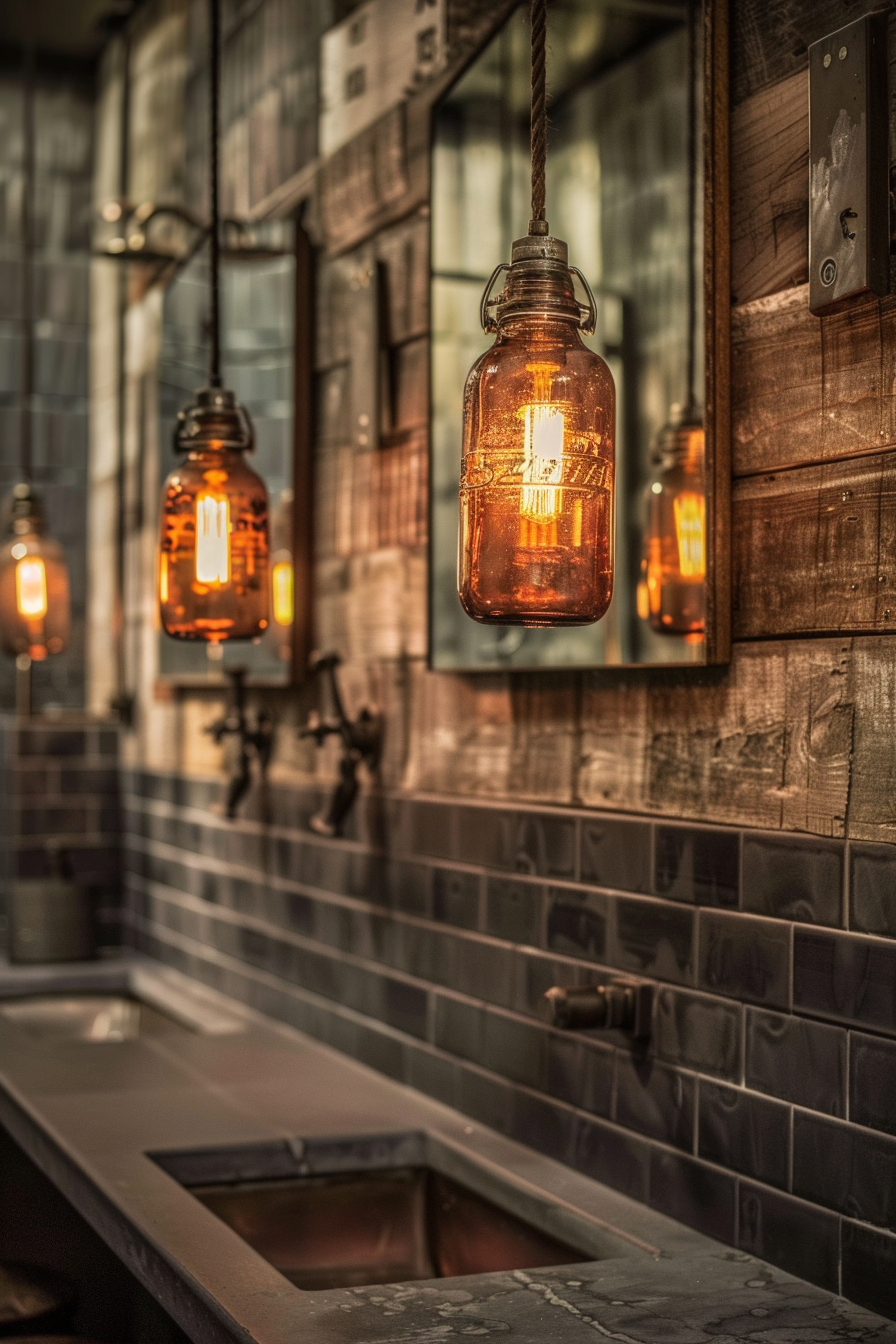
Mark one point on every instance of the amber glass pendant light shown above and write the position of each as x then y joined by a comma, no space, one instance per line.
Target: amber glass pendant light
536,495
34,596
672,589
214,582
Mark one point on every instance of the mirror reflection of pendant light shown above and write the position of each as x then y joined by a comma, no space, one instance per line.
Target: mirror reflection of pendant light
672,586
34,596
536,495
214,582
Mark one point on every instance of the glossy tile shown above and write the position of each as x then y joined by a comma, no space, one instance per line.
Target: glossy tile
577,922
872,1082
800,1238
846,1168
655,1100
514,910
868,1267
872,889
793,877
696,1194
654,938
797,1059
745,957
692,864
456,897
609,1154
699,1032
517,841
615,852
580,1072
745,1132
845,977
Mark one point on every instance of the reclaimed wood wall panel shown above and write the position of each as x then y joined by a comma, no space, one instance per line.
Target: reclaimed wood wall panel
769,190
808,389
814,549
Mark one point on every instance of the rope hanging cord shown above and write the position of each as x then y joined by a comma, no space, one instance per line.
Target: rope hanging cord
538,127
213,149
27,376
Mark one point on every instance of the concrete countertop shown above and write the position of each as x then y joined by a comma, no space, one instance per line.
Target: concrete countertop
89,1115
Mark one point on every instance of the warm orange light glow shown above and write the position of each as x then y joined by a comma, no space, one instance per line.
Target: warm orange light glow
536,543
674,567
214,576
31,588
690,512
34,594
212,538
542,498
283,592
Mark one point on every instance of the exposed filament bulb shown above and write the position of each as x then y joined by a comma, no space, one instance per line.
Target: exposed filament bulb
690,531
31,588
541,498
212,537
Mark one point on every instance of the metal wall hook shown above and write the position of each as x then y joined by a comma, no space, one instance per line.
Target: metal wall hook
254,742
362,739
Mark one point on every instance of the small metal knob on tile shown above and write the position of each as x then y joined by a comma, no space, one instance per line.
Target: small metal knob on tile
620,1004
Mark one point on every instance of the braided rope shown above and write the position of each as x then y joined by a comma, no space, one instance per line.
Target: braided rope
539,119
214,79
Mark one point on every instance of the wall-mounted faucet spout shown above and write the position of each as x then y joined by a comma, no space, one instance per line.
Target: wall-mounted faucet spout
257,741
621,1004
362,740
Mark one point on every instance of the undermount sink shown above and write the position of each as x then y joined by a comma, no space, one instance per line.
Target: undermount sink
385,1209
109,1002
379,1227
86,1017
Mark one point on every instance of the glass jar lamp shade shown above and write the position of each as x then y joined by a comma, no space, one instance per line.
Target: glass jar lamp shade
34,593
672,593
536,498
214,581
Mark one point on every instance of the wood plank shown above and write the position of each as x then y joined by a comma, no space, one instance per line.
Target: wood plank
770,190
776,372
808,389
813,549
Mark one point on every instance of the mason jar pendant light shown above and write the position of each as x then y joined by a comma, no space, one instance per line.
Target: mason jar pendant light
672,588
214,583
34,595
536,495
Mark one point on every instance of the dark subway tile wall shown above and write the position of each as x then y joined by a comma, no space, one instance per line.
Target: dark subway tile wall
793,878
761,1110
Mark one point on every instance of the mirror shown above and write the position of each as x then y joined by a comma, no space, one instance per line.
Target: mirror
631,190
258,307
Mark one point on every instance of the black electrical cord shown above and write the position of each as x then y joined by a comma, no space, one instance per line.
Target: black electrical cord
27,292
214,376
538,124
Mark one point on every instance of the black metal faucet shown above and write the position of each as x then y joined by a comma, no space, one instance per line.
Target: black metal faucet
621,1004
362,740
257,741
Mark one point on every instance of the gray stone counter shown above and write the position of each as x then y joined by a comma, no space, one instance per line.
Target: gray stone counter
90,1116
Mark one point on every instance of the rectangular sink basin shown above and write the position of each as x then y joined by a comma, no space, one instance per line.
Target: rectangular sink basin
341,1213
342,1231
86,1017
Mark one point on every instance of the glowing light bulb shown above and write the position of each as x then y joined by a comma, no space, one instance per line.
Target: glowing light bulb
690,514
541,499
282,587
31,588
212,538
675,538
